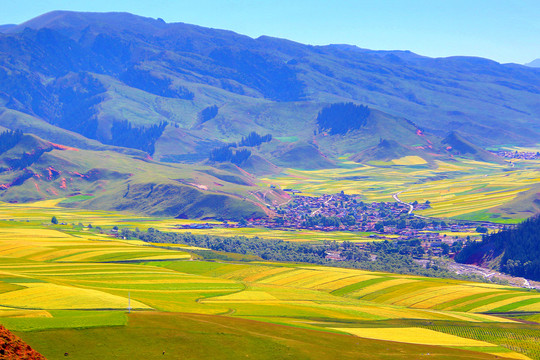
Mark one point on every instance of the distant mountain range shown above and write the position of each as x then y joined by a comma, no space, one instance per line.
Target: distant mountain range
83,72
182,93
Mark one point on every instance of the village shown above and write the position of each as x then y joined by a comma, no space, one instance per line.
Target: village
521,155
378,221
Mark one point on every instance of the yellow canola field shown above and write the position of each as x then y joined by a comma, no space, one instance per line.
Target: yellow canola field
435,298
50,245
33,234
409,160
57,297
25,313
429,297
246,295
380,286
494,305
165,257
414,335
265,273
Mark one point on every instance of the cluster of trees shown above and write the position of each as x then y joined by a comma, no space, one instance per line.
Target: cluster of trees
400,223
208,113
26,159
340,118
9,139
482,229
225,153
76,110
254,139
124,134
394,257
520,248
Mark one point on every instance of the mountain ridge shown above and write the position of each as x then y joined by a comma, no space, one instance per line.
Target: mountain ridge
108,71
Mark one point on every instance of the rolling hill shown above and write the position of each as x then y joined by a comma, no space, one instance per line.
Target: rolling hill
88,79
457,145
33,169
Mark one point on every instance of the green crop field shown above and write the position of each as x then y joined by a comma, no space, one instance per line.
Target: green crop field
522,340
65,281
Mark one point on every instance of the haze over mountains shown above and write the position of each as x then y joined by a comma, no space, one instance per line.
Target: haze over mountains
184,93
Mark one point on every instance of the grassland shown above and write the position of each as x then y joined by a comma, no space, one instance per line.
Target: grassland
64,281
193,336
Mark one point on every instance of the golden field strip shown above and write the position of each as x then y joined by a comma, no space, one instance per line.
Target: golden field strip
63,277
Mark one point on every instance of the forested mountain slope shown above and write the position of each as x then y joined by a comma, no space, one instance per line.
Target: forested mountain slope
514,251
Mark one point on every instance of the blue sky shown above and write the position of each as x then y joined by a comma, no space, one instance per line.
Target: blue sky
502,30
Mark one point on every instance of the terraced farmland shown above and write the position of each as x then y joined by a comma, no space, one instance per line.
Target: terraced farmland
52,245
63,278
525,341
406,291
471,194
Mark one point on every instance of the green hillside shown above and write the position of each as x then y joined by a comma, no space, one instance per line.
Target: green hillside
456,144
35,169
102,93
194,336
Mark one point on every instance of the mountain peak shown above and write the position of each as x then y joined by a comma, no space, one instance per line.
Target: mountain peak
457,144
62,19
535,63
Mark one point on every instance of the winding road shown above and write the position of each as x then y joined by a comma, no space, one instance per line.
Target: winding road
395,196
411,207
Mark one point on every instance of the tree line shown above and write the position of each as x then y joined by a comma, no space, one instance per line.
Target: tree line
125,135
208,113
9,139
254,139
396,257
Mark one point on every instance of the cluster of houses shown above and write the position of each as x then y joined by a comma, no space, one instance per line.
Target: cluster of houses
523,155
351,213
342,212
